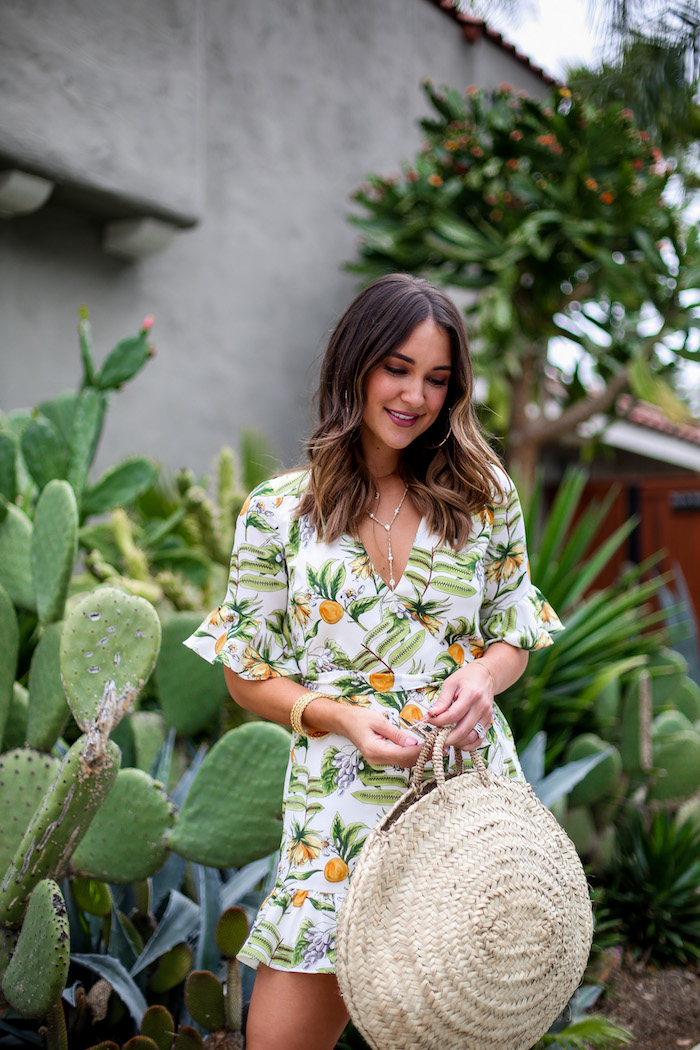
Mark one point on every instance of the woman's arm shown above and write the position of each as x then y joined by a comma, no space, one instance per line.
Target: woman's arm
467,695
381,742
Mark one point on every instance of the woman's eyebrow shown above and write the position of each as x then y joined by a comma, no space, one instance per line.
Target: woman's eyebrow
438,368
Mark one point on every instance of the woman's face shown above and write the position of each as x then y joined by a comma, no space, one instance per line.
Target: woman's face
405,393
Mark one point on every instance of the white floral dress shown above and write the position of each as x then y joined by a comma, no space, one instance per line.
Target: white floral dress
318,613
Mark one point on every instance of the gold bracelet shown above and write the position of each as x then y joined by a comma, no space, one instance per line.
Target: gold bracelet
298,710
489,672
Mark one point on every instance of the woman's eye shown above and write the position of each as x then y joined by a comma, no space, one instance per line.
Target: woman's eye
438,382
395,371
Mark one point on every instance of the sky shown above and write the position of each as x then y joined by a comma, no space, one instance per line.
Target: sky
554,33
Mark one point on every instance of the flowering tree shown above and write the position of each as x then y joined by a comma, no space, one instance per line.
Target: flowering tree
553,213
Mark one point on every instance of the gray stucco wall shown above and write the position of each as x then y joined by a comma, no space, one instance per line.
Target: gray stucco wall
285,107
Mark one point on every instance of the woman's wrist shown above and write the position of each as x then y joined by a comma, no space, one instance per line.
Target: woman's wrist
483,666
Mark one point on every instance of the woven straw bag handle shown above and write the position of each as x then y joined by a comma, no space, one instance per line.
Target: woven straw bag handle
432,749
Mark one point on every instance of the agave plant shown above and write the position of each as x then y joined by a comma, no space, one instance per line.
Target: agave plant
652,891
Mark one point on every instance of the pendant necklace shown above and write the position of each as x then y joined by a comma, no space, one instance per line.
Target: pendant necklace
392,582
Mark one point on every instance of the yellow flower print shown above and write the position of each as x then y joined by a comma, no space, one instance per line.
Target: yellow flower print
543,640
256,667
356,701
361,566
244,508
303,846
301,609
476,649
431,623
545,611
486,516
510,557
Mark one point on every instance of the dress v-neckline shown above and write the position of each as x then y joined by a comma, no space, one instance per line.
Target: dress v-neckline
378,575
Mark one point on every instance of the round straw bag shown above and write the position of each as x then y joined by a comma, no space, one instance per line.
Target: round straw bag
467,924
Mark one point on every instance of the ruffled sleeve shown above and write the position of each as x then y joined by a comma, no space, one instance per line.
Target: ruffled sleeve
513,609
249,632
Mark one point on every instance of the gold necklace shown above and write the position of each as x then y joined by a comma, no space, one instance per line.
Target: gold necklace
392,582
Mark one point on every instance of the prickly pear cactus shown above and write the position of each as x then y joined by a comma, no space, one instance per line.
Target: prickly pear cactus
677,766
233,811
15,557
204,995
48,709
59,824
54,548
25,777
601,781
191,692
36,976
106,853
157,1024
9,633
109,646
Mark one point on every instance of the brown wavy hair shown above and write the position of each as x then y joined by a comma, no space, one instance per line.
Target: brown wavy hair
450,470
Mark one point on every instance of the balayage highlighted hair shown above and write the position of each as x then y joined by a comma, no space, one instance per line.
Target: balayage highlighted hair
450,470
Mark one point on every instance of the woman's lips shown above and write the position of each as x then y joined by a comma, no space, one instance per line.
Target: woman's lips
401,419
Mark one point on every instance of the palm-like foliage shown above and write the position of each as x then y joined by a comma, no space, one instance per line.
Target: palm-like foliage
608,631
652,66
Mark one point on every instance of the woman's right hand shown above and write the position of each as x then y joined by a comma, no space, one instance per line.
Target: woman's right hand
379,741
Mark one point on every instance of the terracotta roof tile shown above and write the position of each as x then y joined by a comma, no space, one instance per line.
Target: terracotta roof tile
475,29
652,418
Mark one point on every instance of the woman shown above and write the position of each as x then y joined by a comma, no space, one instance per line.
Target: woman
390,574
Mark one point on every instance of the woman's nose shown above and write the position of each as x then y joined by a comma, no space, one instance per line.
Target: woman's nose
412,393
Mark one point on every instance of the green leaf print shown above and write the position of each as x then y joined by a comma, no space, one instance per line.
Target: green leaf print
416,579
258,522
502,623
312,578
372,776
257,584
337,580
456,629
294,538
406,651
329,772
385,625
456,587
394,636
421,557
376,797
340,657
360,606
320,905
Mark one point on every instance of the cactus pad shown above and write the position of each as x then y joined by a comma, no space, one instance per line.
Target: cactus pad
140,735
669,722
15,558
687,699
35,979
157,1023
204,996
191,691
9,632
108,649
48,709
16,721
58,825
188,1038
25,777
171,968
601,781
140,1042
677,761
233,811
54,548
231,932
91,896
140,804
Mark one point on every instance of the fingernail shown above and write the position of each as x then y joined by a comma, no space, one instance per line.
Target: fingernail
411,740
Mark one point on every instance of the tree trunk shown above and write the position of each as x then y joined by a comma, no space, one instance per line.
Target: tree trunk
523,448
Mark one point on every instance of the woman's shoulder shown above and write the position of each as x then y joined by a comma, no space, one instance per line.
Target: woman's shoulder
281,493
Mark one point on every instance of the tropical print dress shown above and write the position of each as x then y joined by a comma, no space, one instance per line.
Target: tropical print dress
318,613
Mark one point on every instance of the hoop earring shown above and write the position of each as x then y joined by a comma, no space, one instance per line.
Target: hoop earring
449,431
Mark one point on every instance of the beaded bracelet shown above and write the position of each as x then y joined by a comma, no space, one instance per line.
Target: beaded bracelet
298,710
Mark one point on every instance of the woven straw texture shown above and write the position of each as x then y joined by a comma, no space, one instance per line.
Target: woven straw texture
467,924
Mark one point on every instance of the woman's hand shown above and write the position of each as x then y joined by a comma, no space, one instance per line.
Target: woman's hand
379,741
466,698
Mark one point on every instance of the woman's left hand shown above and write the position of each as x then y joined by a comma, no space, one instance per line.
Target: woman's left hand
466,698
